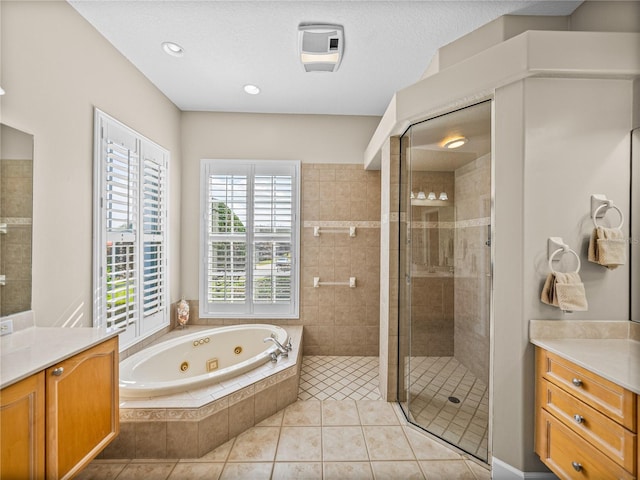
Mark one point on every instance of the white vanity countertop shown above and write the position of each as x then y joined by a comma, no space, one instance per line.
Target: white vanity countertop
617,359
33,349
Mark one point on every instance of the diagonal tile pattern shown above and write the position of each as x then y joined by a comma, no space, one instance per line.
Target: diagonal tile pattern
337,378
315,439
432,380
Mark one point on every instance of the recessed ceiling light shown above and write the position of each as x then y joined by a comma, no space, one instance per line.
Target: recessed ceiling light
173,49
251,89
454,142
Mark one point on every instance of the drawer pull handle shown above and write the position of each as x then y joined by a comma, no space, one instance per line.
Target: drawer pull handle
577,382
578,418
58,371
576,466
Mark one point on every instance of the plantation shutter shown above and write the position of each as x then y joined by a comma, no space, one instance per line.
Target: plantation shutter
120,202
130,231
273,227
250,238
154,228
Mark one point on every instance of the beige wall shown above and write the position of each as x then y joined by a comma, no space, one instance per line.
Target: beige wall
335,188
606,16
557,141
55,69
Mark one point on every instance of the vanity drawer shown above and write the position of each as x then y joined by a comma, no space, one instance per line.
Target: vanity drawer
571,457
599,393
611,438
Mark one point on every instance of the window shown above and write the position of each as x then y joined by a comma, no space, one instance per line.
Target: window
250,238
130,231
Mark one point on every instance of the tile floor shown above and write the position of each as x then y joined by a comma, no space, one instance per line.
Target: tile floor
433,381
337,378
343,439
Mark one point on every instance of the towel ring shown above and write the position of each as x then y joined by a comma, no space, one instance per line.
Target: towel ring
604,205
568,250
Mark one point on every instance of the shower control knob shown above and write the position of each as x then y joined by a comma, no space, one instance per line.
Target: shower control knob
58,371
576,466
577,382
578,418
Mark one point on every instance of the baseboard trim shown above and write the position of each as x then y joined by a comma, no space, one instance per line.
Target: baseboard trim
503,471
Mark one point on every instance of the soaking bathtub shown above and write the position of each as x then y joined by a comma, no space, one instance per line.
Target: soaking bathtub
205,357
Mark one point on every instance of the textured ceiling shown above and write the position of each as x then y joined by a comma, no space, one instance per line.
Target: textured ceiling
388,45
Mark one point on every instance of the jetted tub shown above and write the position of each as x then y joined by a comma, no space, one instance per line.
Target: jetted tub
202,358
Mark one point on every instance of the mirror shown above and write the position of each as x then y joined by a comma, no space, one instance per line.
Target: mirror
16,219
634,250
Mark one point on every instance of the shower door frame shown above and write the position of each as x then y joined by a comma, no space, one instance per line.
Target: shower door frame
402,279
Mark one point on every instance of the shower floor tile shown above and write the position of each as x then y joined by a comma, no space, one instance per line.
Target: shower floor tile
432,381
339,378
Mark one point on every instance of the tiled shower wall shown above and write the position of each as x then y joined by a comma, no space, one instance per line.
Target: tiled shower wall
337,320
472,265
16,210
432,257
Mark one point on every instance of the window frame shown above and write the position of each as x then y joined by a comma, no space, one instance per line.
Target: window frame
144,323
249,309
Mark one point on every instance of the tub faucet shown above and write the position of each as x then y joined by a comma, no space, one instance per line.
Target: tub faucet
284,351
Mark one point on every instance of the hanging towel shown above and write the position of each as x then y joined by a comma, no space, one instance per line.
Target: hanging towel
607,247
565,291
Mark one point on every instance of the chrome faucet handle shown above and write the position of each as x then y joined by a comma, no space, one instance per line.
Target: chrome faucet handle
289,345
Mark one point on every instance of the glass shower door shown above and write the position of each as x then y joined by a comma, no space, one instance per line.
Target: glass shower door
445,277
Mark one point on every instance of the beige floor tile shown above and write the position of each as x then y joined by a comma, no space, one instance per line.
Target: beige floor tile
387,443
197,471
258,444
303,413
340,412
480,472
297,471
347,470
446,470
247,471
341,444
218,454
274,420
300,444
397,470
376,412
426,448
101,471
146,471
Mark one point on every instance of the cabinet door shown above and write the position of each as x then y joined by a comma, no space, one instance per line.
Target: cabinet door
22,429
82,408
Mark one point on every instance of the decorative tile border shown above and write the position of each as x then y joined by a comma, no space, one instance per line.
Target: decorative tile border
16,221
341,224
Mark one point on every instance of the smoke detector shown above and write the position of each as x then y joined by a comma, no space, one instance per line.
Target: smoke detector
320,47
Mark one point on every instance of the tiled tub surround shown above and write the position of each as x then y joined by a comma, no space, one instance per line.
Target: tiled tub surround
337,320
193,423
610,349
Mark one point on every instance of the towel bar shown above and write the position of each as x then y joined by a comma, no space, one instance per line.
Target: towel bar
351,283
316,231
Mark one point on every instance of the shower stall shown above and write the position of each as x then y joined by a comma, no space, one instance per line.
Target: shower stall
445,277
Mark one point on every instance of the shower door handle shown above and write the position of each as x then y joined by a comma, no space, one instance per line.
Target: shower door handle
488,242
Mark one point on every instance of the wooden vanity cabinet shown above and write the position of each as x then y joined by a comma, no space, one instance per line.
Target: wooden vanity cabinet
586,426
70,412
22,429
82,408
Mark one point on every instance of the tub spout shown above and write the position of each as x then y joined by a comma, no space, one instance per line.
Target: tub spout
282,349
